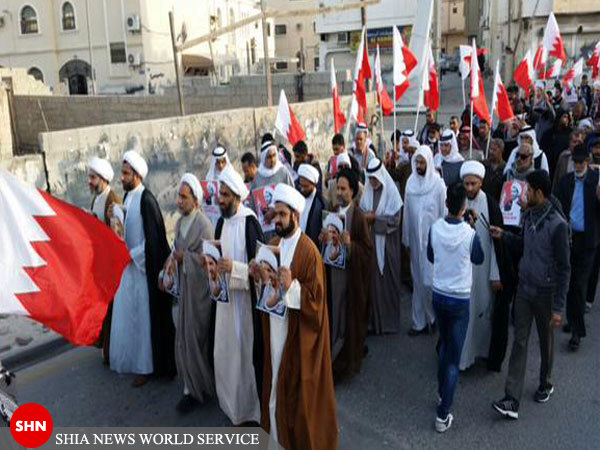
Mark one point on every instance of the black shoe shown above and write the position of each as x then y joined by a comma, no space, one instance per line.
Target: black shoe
542,395
186,404
566,328
433,328
412,332
574,343
508,407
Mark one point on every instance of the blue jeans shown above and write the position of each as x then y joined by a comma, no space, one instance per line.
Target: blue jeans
452,316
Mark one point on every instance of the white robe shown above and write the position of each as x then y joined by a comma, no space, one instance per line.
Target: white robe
420,212
130,333
234,330
279,325
99,204
479,332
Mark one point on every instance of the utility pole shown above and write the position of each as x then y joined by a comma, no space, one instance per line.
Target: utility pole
89,34
363,14
176,62
268,75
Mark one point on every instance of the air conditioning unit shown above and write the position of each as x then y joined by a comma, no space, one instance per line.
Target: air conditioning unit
133,23
134,59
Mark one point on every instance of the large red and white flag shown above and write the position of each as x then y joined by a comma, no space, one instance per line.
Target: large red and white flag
524,73
500,102
554,70
387,105
339,119
287,123
404,63
478,100
465,61
552,41
362,73
59,265
539,62
573,73
431,91
594,61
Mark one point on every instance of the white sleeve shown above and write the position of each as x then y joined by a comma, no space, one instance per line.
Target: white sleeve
238,278
293,296
405,240
138,256
545,163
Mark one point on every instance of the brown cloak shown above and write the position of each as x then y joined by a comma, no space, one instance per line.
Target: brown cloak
306,410
357,301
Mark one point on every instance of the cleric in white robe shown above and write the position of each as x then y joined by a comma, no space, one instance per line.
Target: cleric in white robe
238,333
424,203
485,275
142,332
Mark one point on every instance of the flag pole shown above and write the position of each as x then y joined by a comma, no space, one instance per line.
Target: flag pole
462,85
395,126
383,129
471,133
487,148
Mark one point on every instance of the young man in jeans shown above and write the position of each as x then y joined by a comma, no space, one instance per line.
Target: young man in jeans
453,248
544,270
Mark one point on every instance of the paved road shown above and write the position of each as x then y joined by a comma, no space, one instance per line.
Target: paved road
391,404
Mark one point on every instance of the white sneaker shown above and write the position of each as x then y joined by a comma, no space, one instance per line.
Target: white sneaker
442,425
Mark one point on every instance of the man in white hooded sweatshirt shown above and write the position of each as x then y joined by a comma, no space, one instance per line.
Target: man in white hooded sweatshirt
424,203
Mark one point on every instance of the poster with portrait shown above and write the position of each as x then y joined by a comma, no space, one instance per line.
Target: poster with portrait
248,202
263,200
210,201
271,300
512,200
334,251
217,282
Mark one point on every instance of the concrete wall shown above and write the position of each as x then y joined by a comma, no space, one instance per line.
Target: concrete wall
67,112
173,146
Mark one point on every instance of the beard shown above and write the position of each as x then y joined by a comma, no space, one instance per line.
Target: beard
128,186
472,195
285,232
580,174
94,190
342,201
421,172
596,159
227,211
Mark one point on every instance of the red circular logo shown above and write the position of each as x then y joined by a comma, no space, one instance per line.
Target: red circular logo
31,425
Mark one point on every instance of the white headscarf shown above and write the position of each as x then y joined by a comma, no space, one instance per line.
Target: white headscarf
537,151
420,185
454,156
263,170
102,168
234,181
390,202
218,153
192,181
137,163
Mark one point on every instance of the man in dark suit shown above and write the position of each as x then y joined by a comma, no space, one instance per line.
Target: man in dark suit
311,219
579,194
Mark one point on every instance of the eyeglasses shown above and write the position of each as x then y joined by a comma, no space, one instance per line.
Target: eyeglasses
523,156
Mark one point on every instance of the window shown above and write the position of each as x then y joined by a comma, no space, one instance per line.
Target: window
253,51
29,23
36,73
298,27
324,37
280,30
454,10
268,29
117,53
281,65
342,38
68,16
316,64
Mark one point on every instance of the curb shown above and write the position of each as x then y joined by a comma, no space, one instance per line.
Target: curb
36,354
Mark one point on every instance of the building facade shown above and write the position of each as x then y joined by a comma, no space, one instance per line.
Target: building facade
340,32
453,26
296,40
122,46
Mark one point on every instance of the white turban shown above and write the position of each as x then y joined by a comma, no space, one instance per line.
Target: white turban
137,163
472,168
102,167
266,255
194,185
290,196
234,181
335,221
211,250
344,158
309,172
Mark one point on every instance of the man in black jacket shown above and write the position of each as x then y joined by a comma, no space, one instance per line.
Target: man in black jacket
544,269
579,194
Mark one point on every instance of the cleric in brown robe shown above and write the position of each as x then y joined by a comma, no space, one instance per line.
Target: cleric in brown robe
100,175
348,302
298,400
